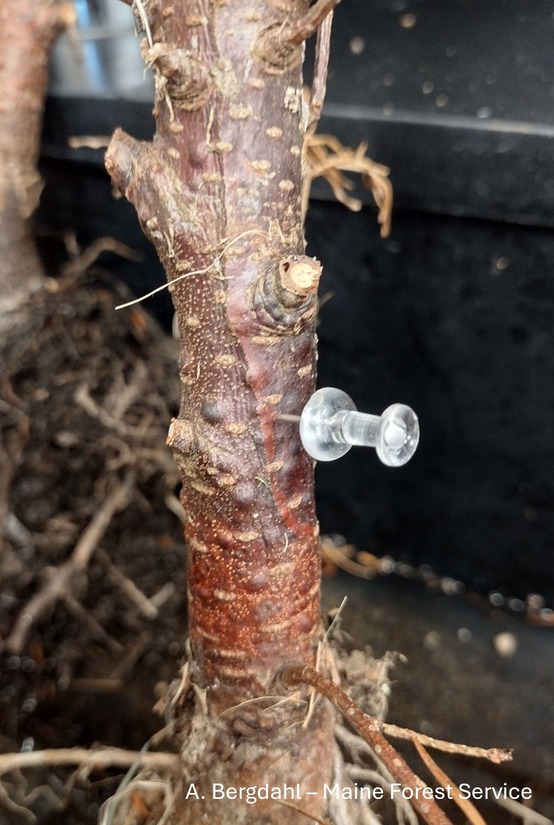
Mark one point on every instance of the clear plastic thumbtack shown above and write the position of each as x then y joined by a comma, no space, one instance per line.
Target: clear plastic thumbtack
330,425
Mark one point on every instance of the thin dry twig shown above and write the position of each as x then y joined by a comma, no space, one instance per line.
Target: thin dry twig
495,755
465,805
321,65
163,595
133,593
62,582
93,251
338,556
141,12
94,628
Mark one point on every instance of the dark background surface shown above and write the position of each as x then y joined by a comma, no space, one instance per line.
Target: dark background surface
453,314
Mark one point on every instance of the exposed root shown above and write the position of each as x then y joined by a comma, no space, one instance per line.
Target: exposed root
89,255
467,807
494,755
347,558
62,582
371,730
326,157
148,798
527,816
89,758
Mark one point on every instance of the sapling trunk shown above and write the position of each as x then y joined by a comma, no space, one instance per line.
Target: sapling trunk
218,191
28,29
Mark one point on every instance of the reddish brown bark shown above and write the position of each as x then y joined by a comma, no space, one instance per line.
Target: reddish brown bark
28,29
219,193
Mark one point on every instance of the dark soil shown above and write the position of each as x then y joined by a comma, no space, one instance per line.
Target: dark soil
86,396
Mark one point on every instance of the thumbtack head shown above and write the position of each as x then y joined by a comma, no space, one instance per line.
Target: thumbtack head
317,432
398,435
330,425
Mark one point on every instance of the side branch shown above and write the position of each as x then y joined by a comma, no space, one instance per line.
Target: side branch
122,159
278,44
304,28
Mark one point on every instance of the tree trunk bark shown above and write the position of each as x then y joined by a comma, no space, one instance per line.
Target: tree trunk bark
218,191
28,29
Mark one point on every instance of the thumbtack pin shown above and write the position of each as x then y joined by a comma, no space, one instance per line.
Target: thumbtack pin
330,425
